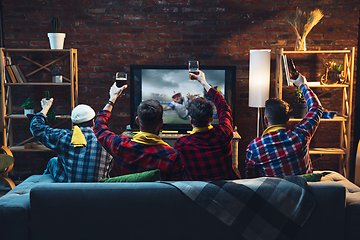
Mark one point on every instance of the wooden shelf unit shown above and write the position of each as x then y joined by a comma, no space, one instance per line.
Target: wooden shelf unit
344,116
7,116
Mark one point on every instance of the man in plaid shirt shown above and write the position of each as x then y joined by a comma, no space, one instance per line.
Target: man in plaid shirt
84,160
146,150
207,152
283,151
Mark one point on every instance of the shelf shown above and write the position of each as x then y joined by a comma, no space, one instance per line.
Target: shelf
346,100
319,51
37,84
9,50
22,116
23,149
335,151
321,86
39,60
335,119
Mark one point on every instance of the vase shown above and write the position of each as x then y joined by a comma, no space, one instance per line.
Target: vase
300,45
28,111
299,110
56,40
57,79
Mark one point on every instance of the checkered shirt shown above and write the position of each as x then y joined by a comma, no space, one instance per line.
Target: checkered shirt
208,155
80,164
285,152
133,157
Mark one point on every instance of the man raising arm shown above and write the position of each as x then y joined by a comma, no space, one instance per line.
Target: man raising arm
80,157
146,151
207,152
283,151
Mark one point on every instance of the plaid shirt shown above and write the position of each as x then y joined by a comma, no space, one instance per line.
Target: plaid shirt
80,164
285,152
133,157
208,155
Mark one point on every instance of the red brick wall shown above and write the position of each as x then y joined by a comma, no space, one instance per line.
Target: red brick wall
111,35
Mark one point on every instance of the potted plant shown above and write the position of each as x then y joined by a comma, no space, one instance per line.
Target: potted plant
56,74
333,73
28,106
56,38
299,104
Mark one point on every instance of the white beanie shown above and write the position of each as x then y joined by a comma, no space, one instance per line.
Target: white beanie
82,113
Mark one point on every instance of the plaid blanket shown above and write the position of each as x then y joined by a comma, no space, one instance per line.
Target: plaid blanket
260,208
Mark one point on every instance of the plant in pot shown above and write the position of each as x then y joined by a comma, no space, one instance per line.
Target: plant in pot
56,74
56,38
333,73
28,106
299,104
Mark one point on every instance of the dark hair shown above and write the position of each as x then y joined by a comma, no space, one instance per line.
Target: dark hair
277,111
150,113
200,111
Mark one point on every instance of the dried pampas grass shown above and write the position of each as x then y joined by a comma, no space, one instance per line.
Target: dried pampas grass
303,23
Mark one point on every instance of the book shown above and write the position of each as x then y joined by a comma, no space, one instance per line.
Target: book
17,74
21,72
286,71
7,78
11,73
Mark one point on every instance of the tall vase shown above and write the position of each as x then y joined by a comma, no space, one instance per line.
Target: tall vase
300,45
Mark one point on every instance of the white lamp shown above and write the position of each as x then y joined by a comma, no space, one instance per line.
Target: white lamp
259,79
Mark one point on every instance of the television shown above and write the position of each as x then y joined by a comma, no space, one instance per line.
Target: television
166,82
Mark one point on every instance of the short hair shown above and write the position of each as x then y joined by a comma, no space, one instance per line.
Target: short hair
277,111
150,113
200,111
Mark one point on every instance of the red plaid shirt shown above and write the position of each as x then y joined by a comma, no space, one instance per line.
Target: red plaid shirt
285,152
132,157
208,155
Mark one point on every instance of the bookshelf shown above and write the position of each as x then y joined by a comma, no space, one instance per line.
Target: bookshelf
344,116
9,116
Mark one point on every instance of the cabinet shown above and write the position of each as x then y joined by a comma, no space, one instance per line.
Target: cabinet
37,65
344,115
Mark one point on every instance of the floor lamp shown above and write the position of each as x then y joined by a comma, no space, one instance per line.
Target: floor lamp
259,79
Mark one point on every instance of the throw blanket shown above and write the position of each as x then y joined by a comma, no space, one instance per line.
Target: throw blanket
261,208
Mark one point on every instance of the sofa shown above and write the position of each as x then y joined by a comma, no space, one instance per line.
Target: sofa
38,209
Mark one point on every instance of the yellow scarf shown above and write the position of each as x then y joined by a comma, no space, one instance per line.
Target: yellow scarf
201,129
274,128
78,138
148,139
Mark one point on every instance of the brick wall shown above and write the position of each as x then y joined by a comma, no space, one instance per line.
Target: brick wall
110,35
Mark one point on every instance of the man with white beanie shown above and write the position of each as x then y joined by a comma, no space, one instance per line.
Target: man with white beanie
80,156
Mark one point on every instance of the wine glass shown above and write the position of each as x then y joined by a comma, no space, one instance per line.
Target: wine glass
193,67
120,78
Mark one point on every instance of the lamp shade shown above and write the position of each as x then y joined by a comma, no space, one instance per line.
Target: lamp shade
259,77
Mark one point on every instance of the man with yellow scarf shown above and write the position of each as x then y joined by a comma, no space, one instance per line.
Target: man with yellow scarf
282,151
80,156
146,150
207,152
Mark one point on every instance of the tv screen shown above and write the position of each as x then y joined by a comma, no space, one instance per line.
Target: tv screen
172,87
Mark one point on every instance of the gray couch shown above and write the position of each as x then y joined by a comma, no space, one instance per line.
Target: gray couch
40,209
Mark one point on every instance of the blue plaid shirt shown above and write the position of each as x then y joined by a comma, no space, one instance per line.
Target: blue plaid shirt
285,152
80,164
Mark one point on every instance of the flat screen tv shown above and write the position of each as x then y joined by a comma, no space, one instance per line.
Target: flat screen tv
166,82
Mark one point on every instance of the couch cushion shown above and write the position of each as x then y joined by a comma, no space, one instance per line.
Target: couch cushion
147,176
352,202
14,208
312,177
